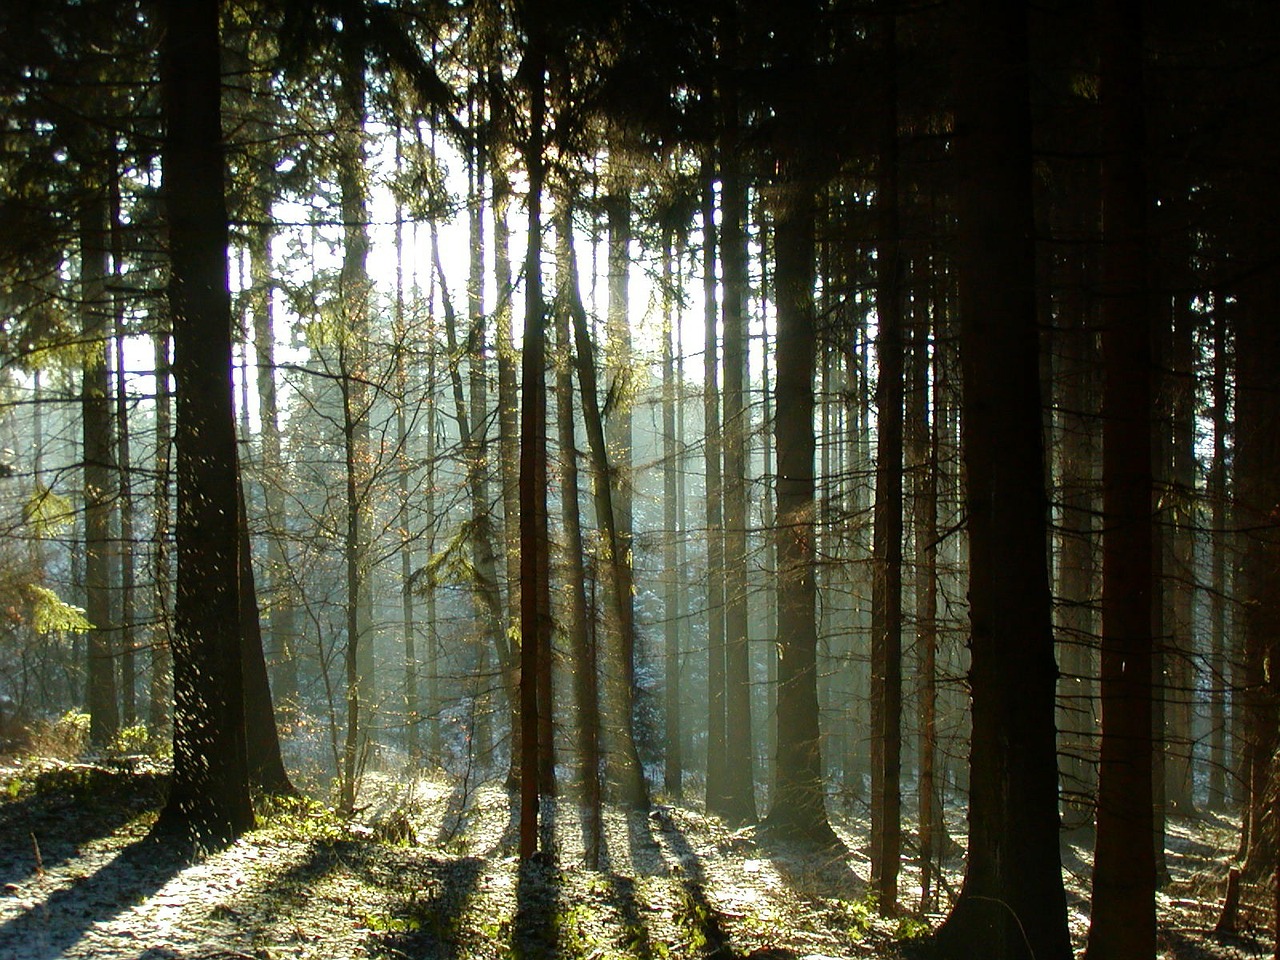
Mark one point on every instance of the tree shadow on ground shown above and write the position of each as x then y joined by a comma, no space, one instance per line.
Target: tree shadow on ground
536,932
67,808
427,920
697,913
49,928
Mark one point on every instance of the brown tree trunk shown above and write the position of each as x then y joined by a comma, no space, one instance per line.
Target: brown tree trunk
717,762
99,468
738,802
797,809
621,755
886,588
209,791
535,587
1122,921
673,526
1012,902
582,652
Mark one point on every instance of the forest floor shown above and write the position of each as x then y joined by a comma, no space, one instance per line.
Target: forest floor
428,870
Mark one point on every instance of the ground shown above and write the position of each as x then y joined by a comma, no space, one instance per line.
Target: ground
427,870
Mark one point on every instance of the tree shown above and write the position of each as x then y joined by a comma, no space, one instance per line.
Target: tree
1122,922
886,600
1012,902
209,794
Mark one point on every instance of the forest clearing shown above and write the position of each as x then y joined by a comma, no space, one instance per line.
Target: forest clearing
428,870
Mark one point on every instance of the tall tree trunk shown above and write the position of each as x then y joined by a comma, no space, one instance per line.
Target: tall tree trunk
282,619
535,588
886,599
128,572
622,757
1122,922
797,809
1181,575
1076,566
1219,546
739,805
673,526
209,789
582,650
923,431
158,715
1257,507
1012,902
355,290
99,468
488,597
717,762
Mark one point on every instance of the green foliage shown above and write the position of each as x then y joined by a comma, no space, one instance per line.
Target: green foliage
129,741
47,512
51,614
302,818
856,916
72,731
911,928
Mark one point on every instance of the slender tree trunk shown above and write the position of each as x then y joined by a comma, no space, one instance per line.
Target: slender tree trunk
582,650
158,715
1218,793
1181,575
623,758
488,597
886,600
798,808
209,791
1257,506
717,762
673,526
1012,902
282,619
1076,566
355,288
534,562
924,457
353,556
739,805
99,468
1122,922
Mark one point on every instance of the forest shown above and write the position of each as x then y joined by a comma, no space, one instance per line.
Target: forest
656,479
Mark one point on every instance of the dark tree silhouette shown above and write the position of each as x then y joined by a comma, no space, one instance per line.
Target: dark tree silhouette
1012,902
209,797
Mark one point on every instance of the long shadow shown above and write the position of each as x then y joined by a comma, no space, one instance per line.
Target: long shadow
536,932
48,929
697,912
426,922
48,828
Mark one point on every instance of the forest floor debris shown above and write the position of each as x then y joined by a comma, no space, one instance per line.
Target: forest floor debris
430,872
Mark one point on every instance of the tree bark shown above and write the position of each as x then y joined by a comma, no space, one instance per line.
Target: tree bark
99,469
886,597
1012,902
209,793
1122,921
738,804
